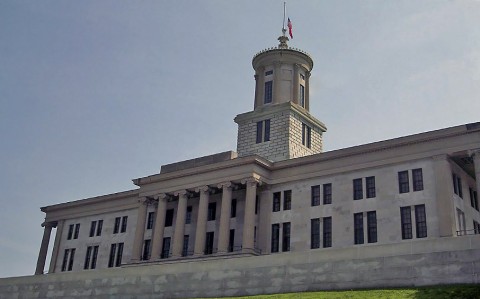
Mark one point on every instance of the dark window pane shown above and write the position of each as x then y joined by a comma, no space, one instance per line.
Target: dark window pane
118,262
275,237
266,136
370,182
212,211
93,226
169,217
327,194
315,195
327,232
99,227
406,219
233,208
268,92
166,247
421,221
417,177
259,131
372,226
286,237
358,227
116,228
315,233
357,189
124,224
276,201
188,216
151,217
403,185
287,200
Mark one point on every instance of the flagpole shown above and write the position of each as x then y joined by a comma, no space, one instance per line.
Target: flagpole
284,13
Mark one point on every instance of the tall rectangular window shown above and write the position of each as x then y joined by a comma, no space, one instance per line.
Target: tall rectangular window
212,211
417,177
259,132
403,184
146,249
460,190
188,216
287,200
88,256
315,195
70,231
68,258
421,221
276,201
302,96
406,221
233,208
77,231
169,217
315,233
357,189
327,194
186,240
166,247
231,240
275,237
327,232
150,219
370,184
99,227
93,265
209,243
306,136
286,237
358,227
472,203
455,183
256,204
263,131
372,227
266,132
93,226
65,260
124,224
111,258
70,261
116,227
267,98
118,261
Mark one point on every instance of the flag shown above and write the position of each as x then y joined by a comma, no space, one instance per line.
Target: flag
289,25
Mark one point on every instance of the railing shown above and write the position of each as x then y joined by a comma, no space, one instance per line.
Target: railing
468,232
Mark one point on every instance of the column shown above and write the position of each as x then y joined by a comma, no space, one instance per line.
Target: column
296,85
276,82
249,217
476,164
264,218
56,246
201,221
307,90
42,256
256,101
180,223
224,229
261,87
444,196
158,229
139,230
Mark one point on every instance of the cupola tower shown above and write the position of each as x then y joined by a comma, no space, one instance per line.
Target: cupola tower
280,127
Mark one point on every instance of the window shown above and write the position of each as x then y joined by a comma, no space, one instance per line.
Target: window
276,201
417,178
406,219
286,237
146,249
186,239
315,196
209,243
116,254
473,199
116,228
327,194
93,226
70,231
372,227
91,257
233,208
150,219
263,131
267,98
256,205
315,233
370,186
77,231
169,218
231,240
188,216
68,257
358,227
99,227
357,189
302,96
421,221
457,185
275,237
306,135
403,185
212,211
287,200
166,247
327,232
267,73
124,224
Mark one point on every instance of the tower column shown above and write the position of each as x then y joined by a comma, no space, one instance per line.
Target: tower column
180,223
225,216
56,246
139,230
249,216
159,227
307,90
296,85
201,220
476,164
42,255
276,82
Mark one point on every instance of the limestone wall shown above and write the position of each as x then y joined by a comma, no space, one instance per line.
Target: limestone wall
416,263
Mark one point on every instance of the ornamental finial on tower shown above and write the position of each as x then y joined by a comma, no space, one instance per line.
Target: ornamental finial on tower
283,40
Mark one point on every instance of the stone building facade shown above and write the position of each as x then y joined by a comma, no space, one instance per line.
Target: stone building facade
279,194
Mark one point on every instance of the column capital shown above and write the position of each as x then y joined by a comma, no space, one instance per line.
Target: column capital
202,189
251,181
181,193
161,196
50,224
225,185
146,200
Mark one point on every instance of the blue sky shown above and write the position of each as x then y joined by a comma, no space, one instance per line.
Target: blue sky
96,93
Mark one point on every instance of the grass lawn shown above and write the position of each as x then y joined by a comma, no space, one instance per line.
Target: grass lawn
435,292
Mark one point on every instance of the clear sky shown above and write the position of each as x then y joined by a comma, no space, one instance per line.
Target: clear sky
96,93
